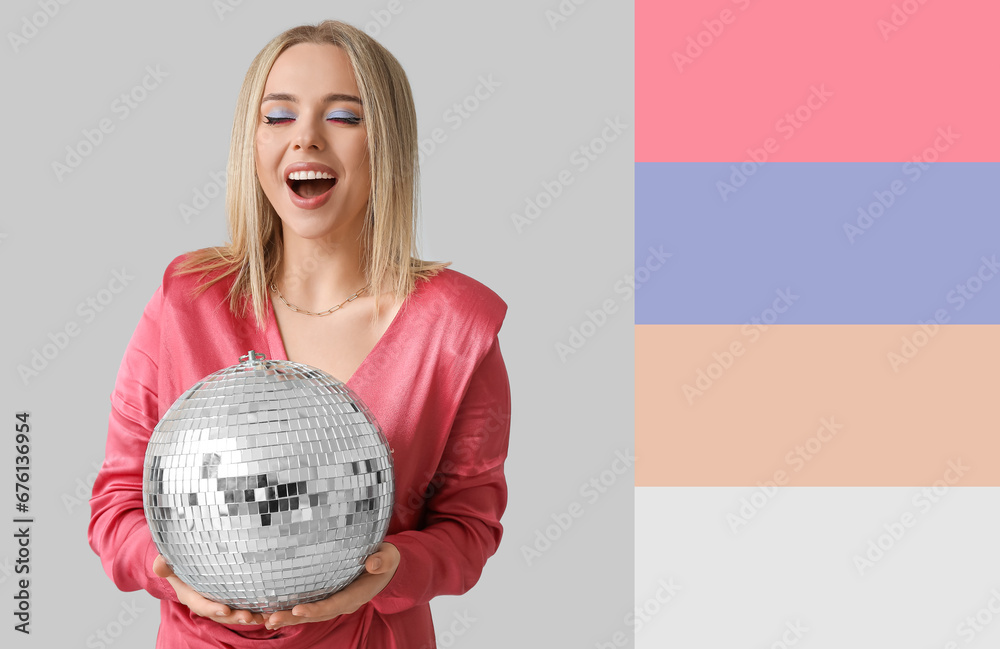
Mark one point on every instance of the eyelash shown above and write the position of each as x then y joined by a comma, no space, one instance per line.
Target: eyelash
272,121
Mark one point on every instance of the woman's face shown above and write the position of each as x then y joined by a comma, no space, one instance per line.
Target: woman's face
311,143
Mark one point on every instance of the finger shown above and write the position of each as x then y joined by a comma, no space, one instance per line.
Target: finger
220,612
377,563
233,616
280,619
384,560
310,610
205,607
161,568
326,609
247,617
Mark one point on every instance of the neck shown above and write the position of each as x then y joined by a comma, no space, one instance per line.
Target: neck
315,274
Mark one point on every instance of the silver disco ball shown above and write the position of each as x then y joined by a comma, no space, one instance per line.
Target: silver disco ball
267,484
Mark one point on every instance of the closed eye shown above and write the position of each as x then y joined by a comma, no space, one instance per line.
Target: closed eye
341,116
279,116
344,117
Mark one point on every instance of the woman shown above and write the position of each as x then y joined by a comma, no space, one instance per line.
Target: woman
321,198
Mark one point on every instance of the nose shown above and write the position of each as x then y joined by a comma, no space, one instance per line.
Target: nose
308,135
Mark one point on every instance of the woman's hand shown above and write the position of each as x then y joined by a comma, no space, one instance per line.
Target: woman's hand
199,605
379,569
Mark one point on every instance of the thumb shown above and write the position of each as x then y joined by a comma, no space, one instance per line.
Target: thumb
375,564
161,568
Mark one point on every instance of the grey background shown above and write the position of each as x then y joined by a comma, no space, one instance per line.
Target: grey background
820,567
120,209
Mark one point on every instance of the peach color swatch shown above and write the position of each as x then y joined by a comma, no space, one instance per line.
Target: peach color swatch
816,405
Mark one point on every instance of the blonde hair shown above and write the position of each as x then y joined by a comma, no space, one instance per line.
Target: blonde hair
389,247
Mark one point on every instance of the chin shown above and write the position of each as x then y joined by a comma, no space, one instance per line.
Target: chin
314,229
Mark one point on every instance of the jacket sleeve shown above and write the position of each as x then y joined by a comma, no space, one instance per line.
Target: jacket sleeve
118,531
466,499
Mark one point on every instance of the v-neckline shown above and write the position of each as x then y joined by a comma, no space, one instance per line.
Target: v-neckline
277,346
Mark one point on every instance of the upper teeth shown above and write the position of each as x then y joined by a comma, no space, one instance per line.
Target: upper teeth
308,175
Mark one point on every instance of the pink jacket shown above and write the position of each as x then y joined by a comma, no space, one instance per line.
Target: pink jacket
437,385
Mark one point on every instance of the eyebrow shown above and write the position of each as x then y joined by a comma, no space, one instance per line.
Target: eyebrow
336,96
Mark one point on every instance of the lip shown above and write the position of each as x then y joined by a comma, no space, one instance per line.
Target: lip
315,201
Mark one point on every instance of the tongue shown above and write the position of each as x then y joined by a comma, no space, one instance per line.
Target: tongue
312,188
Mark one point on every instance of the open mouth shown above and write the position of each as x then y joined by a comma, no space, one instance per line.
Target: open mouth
310,184
313,187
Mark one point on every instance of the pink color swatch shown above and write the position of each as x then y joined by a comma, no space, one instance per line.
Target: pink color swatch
851,81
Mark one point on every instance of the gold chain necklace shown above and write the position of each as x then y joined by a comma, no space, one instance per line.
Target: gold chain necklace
274,287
